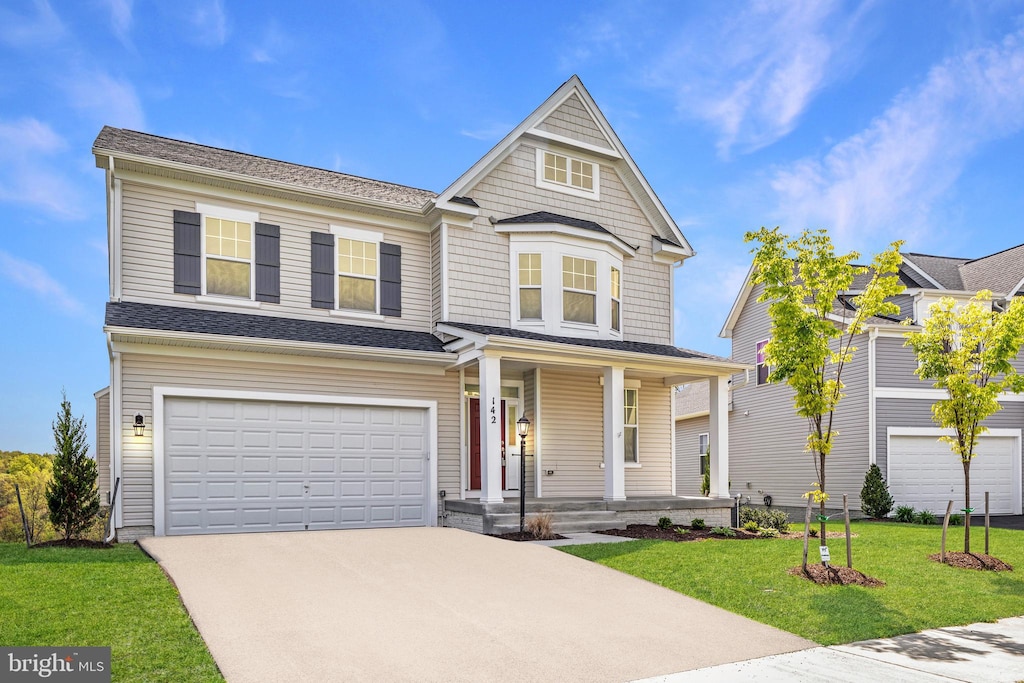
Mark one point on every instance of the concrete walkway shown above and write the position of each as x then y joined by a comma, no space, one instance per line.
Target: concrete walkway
435,604
980,652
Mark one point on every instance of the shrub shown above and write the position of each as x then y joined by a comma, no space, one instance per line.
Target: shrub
769,532
904,513
924,517
72,495
723,531
540,525
771,519
812,532
705,483
664,523
681,531
875,500
698,524
956,520
751,526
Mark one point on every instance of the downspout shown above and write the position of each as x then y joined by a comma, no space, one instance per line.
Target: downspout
115,433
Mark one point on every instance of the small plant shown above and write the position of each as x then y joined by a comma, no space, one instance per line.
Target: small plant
751,526
705,483
664,523
541,526
769,532
72,495
924,517
956,520
875,500
681,531
723,531
905,513
813,533
773,519
698,523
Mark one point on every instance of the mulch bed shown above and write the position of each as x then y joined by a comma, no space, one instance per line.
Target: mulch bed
73,543
836,576
653,532
979,561
525,536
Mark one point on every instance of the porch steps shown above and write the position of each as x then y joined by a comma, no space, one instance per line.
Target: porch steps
563,521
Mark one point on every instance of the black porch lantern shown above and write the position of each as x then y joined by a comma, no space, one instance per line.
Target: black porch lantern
522,428
140,424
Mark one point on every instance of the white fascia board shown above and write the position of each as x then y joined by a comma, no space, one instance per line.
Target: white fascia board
917,269
622,247
690,416
929,394
102,392
596,150
737,305
250,180
669,253
122,334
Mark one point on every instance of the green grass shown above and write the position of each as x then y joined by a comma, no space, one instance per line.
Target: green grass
750,578
88,597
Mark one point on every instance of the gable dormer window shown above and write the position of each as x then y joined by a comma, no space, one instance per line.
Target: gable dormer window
567,174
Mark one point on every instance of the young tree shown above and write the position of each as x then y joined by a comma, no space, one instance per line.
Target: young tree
72,496
875,499
811,341
967,349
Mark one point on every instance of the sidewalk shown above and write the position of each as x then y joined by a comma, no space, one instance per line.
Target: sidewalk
979,652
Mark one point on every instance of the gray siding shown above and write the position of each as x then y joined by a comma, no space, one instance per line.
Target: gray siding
895,365
478,268
103,443
571,120
147,248
436,310
906,304
767,438
687,454
141,373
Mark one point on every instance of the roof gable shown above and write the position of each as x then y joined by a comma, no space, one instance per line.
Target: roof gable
1001,272
570,117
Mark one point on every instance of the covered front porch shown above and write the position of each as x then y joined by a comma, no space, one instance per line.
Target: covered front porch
600,443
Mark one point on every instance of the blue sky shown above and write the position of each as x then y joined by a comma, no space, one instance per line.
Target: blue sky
877,120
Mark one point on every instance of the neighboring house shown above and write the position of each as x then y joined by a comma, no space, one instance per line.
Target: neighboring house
885,416
305,349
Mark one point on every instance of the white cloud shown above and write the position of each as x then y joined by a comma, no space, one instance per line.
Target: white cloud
28,176
892,174
494,131
210,23
752,74
110,100
274,43
43,28
35,279
120,18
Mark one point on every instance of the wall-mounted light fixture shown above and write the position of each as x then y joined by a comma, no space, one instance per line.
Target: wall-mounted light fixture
140,425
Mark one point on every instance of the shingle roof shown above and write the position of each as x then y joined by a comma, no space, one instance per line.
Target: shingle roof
468,201
175,319
694,397
548,217
156,147
999,272
943,269
610,344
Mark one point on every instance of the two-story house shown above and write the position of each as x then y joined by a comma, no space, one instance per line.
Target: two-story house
885,416
295,348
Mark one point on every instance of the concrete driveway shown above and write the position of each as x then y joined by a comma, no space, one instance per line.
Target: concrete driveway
439,605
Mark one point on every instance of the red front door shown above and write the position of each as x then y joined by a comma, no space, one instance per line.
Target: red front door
474,444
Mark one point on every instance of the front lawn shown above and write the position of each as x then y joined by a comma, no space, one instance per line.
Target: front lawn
749,578
89,597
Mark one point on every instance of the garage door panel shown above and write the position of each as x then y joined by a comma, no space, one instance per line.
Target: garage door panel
235,466
924,473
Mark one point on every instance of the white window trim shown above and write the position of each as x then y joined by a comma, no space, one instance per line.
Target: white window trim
588,292
765,382
341,231
240,215
701,438
517,313
626,425
568,188
552,247
613,298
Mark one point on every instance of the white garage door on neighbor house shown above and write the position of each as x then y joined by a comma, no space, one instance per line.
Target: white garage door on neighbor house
924,472
236,466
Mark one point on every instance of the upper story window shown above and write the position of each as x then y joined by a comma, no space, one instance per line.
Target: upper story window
579,290
530,281
631,425
616,286
228,257
568,174
357,275
762,365
703,451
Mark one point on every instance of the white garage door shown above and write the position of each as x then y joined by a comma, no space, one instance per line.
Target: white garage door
924,473
236,466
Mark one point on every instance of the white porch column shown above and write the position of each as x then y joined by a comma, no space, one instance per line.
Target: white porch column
490,429
719,436
614,443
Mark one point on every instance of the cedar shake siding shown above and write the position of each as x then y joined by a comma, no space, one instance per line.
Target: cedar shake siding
572,120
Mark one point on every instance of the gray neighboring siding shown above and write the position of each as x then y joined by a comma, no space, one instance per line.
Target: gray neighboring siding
906,304
478,268
140,373
687,454
902,412
895,365
147,252
767,438
572,120
102,427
